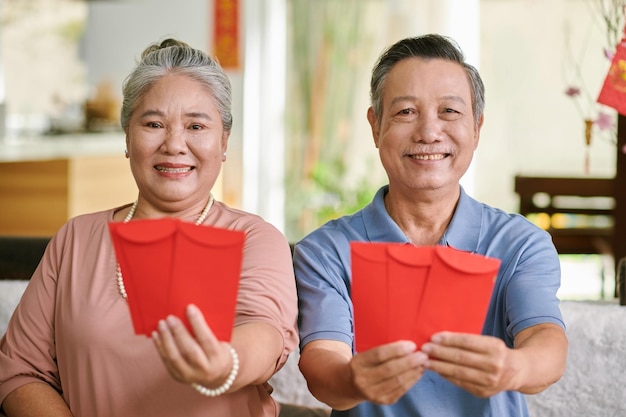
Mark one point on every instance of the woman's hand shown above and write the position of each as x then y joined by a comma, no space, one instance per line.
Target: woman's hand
199,358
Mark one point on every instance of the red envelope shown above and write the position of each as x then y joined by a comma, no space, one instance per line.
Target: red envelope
458,293
408,268
168,264
613,92
369,263
144,250
406,292
207,266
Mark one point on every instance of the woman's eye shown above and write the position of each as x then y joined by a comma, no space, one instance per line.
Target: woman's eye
405,111
196,127
153,124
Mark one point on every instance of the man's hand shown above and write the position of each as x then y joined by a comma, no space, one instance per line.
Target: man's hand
380,375
385,373
484,365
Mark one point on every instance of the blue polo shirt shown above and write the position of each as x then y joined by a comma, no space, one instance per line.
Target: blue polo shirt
524,294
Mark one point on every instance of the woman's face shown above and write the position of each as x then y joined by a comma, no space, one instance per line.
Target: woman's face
176,143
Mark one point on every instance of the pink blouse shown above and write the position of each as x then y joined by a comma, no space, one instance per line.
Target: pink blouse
73,330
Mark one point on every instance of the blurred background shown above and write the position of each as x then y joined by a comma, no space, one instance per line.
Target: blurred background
301,150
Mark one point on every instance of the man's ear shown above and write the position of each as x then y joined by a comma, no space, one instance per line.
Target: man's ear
477,131
371,118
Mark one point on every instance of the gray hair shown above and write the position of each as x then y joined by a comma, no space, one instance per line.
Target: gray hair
426,46
173,56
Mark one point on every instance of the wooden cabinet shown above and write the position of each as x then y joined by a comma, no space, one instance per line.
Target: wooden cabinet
37,197
45,181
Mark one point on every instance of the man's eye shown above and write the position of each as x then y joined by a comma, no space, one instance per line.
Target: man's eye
154,125
196,127
405,111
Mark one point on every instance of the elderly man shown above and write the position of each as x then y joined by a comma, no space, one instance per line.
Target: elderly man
426,114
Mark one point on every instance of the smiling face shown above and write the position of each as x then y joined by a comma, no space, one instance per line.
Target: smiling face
426,135
176,143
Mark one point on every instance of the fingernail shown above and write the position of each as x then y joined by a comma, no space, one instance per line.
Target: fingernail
410,346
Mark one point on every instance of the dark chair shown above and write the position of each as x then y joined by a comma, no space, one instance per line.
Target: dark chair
19,256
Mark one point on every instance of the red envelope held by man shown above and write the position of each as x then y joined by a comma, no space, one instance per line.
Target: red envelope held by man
405,292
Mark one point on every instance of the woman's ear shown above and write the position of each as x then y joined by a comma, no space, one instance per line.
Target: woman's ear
224,144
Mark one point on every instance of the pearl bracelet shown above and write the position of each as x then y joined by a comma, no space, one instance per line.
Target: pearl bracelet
226,385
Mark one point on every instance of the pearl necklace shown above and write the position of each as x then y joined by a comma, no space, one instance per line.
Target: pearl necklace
129,216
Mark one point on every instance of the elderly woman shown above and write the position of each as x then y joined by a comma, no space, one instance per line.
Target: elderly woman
70,348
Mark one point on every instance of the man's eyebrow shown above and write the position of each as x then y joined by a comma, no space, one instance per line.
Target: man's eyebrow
451,97
402,98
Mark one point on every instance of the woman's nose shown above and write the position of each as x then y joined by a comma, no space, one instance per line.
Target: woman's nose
174,142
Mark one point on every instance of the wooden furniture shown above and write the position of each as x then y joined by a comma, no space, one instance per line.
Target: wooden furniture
46,180
577,212
38,197
583,215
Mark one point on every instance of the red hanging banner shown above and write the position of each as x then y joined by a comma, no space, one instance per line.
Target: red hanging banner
226,42
613,93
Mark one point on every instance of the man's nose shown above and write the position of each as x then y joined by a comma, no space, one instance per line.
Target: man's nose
429,129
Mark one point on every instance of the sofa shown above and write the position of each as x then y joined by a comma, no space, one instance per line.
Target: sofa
593,383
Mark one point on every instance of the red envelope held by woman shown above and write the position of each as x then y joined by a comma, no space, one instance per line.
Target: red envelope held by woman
168,264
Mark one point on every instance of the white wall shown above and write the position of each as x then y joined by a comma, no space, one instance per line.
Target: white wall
117,32
531,126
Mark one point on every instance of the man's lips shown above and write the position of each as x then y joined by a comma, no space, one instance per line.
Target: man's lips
428,157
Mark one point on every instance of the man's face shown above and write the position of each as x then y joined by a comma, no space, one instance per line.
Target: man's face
426,135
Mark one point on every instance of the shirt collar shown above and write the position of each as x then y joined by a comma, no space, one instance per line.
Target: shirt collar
463,232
